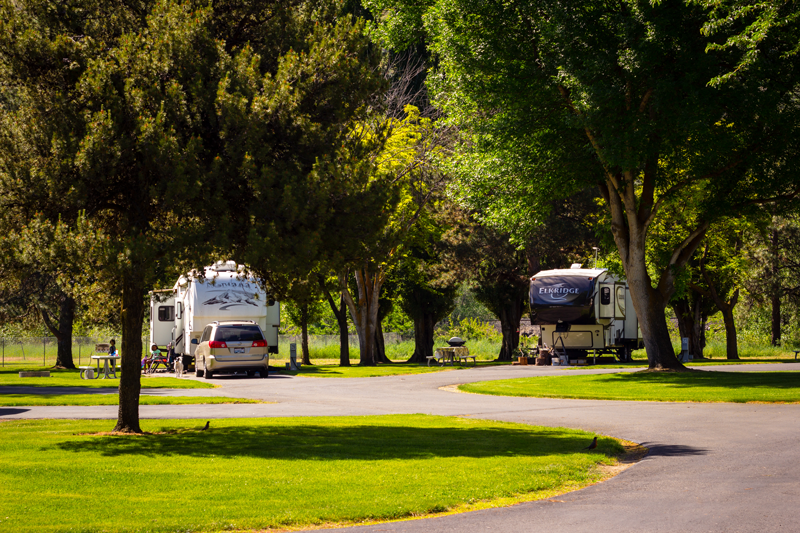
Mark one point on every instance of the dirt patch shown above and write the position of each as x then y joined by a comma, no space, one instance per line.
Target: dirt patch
453,388
633,454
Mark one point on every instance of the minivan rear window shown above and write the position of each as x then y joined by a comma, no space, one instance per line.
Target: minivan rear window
238,333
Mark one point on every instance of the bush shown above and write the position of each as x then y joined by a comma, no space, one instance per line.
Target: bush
468,328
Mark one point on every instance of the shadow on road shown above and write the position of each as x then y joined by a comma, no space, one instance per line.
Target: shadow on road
9,412
672,450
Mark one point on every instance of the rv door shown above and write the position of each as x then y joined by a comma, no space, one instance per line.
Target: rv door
162,318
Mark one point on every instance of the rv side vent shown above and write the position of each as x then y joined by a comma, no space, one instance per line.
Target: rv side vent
576,265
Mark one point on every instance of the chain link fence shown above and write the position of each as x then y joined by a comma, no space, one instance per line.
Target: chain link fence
44,350
327,340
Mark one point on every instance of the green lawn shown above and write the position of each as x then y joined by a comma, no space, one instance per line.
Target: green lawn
483,349
16,400
695,386
72,378
696,363
56,475
355,371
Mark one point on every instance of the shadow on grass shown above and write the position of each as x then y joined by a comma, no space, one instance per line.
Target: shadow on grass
34,368
60,390
352,442
699,378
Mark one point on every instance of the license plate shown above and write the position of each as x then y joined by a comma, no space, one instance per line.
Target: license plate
238,350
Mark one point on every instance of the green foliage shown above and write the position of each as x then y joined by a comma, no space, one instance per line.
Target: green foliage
469,329
466,306
553,99
757,26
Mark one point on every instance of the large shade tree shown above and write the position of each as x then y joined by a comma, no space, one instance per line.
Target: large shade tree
555,96
177,127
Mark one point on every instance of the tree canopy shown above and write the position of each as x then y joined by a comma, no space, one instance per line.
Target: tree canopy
183,130
554,97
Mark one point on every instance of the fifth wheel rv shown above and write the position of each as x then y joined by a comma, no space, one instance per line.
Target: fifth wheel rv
582,309
224,292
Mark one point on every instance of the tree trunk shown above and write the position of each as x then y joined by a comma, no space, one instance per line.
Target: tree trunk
130,380
424,325
304,335
775,296
775,301
510,316
650,313
649,305
344,333
364,311
732,348
380,344
695,324
63,334
730,333
630,218
66,318
687,311
630,236
340,313
700,320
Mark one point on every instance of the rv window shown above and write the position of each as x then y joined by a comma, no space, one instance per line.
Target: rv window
166,313
605,296
238,333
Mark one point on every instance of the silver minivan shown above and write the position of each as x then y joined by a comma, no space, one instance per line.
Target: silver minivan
232,346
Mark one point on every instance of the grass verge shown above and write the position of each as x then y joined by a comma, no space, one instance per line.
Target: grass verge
72,378
698,386
245,474
35,400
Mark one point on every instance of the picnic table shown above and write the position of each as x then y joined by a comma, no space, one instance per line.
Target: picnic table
100,354
451,354
107,369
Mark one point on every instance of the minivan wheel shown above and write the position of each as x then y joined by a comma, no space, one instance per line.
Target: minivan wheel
209,374
197,371
264,373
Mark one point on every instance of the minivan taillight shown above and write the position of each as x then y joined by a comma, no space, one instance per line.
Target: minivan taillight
217,344
259,344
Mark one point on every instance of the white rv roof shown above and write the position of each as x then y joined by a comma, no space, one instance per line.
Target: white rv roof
578,272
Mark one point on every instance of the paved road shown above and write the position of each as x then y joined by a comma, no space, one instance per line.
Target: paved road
711,468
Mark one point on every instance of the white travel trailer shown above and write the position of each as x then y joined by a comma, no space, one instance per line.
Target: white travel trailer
225,292
582,309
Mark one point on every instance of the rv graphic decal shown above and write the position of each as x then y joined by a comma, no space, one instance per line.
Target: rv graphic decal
241,284
558,292
572,291
232,298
